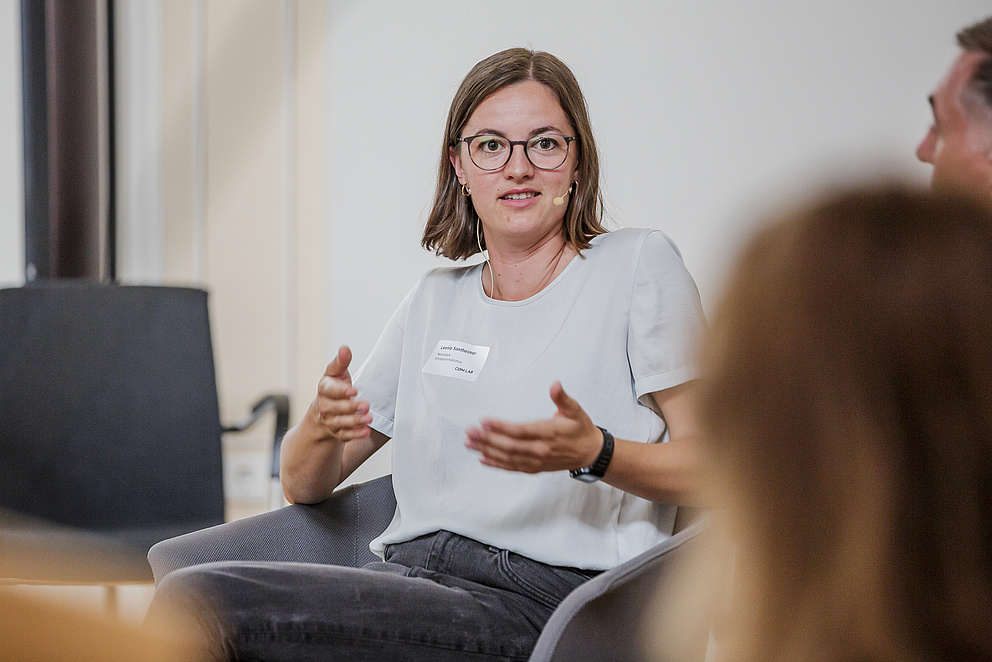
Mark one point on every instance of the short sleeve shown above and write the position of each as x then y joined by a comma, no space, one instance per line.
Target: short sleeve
666,319
377,381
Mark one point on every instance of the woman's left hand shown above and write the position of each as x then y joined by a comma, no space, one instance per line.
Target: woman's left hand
567,440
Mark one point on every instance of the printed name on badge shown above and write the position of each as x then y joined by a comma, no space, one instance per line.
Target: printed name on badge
460,360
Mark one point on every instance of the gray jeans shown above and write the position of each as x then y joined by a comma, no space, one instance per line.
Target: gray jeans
439,597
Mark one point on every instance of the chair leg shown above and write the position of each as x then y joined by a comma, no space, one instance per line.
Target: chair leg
112,602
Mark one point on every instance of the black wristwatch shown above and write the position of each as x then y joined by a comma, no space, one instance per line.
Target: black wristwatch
597,469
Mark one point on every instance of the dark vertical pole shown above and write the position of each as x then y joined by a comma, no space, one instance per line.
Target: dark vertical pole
111,236
62,138
74,138
35,117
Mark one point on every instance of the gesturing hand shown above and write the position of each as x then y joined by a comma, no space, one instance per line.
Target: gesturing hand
567,440
335,409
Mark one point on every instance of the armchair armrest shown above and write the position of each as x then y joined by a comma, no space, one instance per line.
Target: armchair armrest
611,607
280,403
336,531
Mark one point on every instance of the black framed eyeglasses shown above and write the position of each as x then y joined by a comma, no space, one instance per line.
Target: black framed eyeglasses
546,151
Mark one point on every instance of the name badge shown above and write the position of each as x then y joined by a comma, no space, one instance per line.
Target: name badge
457,359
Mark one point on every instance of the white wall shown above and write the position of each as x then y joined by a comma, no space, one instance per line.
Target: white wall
140,231
11,155
704,112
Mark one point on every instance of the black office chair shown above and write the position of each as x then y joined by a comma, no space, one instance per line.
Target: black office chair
110,434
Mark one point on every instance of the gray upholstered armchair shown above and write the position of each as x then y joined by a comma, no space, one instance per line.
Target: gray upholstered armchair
607,608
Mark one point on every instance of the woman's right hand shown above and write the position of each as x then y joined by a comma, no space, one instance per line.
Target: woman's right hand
331,441
336,412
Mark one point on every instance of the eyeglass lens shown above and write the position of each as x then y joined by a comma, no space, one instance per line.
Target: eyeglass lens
546,151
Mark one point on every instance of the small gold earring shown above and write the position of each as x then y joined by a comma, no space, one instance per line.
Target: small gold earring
466,191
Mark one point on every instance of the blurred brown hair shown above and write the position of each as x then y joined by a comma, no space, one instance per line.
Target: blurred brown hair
451,226
847,402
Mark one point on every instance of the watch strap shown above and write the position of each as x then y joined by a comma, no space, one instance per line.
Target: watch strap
597,469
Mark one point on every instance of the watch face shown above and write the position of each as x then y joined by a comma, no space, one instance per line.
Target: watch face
585,477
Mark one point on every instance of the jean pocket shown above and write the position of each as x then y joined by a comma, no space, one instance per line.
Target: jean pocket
546,584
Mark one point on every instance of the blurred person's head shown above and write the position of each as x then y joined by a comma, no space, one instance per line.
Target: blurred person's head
847,408
959,143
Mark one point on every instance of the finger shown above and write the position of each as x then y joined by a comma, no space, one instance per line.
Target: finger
536,430
479,440
350,422
492,455
350,434
505,448
334,388
484,441
567,406
338,424
501,452
327,407
510,462
338,368
345,426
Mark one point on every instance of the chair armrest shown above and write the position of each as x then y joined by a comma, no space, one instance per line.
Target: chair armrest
336,531
602,619
277,401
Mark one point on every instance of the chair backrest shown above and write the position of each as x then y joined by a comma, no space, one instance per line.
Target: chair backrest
109,418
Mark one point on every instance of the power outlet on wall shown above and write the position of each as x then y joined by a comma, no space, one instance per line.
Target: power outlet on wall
246,476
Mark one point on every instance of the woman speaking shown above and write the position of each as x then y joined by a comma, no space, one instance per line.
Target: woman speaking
527,398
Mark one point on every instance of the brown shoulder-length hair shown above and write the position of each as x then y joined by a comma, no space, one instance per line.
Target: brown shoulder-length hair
847,409
452,224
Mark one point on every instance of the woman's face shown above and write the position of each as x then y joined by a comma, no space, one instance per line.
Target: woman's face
516,202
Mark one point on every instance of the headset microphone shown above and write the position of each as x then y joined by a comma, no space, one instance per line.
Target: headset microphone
561,200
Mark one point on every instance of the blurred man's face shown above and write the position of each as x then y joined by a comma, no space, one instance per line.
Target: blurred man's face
959,144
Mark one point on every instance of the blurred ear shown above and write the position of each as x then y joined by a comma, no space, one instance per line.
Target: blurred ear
455,156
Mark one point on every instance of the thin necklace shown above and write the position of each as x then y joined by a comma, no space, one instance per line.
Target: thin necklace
485,254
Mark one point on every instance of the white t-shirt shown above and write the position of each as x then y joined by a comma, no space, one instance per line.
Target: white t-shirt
618,323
